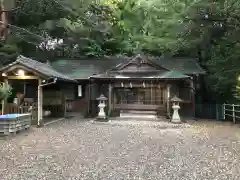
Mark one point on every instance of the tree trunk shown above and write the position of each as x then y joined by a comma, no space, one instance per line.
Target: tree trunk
4,22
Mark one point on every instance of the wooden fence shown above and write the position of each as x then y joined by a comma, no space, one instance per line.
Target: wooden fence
209,111
231,112
12,108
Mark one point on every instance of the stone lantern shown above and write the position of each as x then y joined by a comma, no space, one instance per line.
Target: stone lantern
102,104
175,117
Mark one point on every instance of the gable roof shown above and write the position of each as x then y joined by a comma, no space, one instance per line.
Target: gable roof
87,67
41,68
138,60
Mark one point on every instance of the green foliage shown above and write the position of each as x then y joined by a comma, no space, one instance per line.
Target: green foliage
208,30
5,91
8,52
212,32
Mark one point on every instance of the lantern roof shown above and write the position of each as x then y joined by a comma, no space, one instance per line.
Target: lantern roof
102,98
176,99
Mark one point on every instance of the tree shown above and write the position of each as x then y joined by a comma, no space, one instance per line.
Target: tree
149,26
212,34
205,29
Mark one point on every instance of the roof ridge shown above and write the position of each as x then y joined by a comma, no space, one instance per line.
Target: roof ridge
33,64
30,59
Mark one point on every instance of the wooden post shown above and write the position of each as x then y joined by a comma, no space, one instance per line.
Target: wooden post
64,105
233,114
4,102
89,97
151,96
39,102
24,86
168,100
109,99
224,116
3,107
4,21
193,98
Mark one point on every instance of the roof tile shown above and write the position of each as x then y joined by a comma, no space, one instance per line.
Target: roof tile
86,67
42,68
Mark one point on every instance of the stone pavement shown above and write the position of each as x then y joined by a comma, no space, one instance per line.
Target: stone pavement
83,150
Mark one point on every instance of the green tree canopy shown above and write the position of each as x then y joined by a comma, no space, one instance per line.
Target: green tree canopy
208,30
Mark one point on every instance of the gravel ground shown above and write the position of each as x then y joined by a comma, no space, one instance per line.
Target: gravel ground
81,150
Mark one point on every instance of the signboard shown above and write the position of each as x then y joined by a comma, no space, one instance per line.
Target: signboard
79,90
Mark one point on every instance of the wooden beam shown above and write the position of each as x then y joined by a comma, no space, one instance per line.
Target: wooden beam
168,100
22,77
19,66
192,90
88,87
109,99
4,101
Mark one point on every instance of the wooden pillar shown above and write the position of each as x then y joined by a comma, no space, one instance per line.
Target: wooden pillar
109,99
4,102
64,100
4,20
168,100
39,103
24,87
151,95
193,97
88,86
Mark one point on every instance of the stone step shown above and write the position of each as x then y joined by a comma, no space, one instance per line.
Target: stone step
138,112
139,116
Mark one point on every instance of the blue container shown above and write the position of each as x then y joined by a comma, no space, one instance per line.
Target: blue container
12,123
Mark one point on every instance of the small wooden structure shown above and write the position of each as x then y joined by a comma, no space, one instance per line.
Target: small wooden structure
39,85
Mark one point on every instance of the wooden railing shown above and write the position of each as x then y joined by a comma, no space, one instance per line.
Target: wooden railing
231,111
12,108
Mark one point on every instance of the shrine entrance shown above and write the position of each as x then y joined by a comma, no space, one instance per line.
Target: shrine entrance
140,96
142,86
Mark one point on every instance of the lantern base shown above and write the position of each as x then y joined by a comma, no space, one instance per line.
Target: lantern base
103,119
176,121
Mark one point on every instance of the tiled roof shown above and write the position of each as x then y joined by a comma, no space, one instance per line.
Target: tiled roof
84,68
180,64
41,68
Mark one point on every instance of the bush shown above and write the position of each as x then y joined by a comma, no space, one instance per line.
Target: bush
5,91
